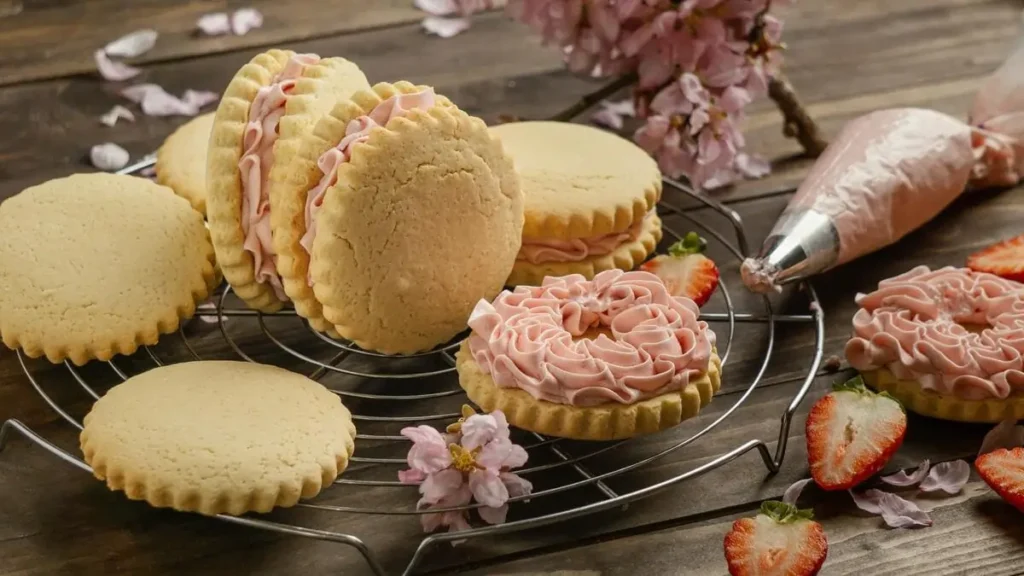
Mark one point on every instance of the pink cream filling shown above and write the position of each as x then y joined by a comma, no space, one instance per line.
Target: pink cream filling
357,131
914,325
541,250
258,140
533,338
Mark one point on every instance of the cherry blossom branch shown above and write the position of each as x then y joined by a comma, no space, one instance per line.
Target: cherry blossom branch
796,121
588,101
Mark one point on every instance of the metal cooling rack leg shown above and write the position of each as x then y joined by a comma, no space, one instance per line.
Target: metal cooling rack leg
732,215
12,424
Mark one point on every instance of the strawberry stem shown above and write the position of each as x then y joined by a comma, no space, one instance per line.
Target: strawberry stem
692,243
783,513
856,385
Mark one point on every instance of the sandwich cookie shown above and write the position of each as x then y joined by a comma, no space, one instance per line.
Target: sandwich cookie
181,161
399,213
94,265
269,105
590,200
218,437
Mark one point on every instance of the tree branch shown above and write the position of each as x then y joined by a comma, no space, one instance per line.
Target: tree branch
796,122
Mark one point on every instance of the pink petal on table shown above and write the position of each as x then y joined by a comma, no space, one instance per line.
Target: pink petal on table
199,98
903,479
901,513
108,157
445,27
1006,434
244,20
113,70
132,45
792,493
751,166
607,118
117,113
868,500
155,101
949,477
215,24
437,7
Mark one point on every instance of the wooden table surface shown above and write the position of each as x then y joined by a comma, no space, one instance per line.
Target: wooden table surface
846,57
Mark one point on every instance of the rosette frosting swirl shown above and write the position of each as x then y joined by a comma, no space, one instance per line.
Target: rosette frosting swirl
956,331
539,339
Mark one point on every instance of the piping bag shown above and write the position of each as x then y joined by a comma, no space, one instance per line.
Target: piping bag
889,172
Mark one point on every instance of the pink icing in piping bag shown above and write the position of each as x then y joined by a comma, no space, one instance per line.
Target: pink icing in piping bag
889,172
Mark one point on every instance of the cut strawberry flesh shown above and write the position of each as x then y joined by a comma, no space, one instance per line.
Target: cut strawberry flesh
1004,259
763,547
1003,470
694,275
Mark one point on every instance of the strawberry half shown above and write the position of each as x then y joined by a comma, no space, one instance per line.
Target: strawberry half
1003,471
1004,259
851,433
685,271
780,540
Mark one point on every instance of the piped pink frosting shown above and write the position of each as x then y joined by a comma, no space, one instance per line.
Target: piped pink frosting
258,157
541,250
913,325
532,338
357,131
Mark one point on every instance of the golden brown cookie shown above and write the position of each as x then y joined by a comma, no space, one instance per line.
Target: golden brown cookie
609,421
94,265
181,161
935,405
218,437
318,86
589,194
424,220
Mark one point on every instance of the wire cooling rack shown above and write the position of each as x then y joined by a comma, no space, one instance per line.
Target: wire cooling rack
388,405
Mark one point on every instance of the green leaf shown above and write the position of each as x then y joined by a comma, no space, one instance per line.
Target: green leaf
692,243
855,384
783,513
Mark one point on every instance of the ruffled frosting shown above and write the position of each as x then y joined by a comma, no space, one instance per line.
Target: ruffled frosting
914,326
357,131
537,338
258,157
541,250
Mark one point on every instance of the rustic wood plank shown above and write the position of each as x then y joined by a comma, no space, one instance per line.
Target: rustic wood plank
69,33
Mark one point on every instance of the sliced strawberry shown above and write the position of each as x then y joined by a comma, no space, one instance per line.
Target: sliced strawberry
685,271
1004,259
851,433
779,541
1003,471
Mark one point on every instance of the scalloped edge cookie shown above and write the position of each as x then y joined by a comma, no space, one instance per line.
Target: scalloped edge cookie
183,154
137,437
626,257
290,188
315,93
99,337
425,219
928,403
611,421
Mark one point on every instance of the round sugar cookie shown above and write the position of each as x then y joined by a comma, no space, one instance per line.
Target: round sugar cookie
314,94
581,182
218,437
289,191
181,161
94,265
941,406
425,219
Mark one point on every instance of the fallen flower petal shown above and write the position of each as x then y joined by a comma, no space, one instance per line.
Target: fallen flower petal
112,70
132,45
903,479
901,513
868,500
117,113
155,101
199,98
245,20
216,24
948,477
612,114
792,493
1006,434
752,167
445,27
108,157
437,7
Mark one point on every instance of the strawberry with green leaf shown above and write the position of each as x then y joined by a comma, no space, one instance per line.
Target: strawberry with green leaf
780,541
685,270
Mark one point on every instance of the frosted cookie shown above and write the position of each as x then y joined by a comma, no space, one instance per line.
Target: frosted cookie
218,437
267,108
181,161
399,213
947,343
589,197
602,359
94,265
